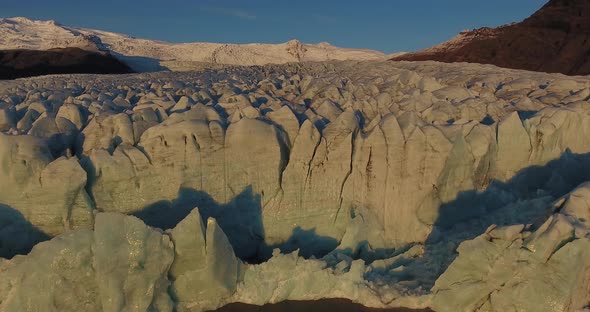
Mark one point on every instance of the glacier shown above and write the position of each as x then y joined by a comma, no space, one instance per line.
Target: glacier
456,187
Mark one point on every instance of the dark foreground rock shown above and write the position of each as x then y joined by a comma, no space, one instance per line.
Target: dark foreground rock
27,63
341,305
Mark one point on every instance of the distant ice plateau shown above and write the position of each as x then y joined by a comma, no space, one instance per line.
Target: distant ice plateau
152,55
456,187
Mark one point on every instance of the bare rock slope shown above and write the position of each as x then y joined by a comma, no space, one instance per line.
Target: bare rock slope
554,39
26,63
356,180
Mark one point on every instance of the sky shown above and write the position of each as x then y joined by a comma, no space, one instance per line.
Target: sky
384,25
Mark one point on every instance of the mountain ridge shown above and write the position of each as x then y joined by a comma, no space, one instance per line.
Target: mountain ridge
554,39
152,55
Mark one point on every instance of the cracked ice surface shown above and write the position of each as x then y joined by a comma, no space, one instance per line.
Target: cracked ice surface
378,172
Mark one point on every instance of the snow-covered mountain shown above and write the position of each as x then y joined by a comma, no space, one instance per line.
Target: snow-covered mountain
149,55
23,33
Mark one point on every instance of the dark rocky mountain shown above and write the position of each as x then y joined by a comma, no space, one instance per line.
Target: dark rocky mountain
341,305
554,39
26,63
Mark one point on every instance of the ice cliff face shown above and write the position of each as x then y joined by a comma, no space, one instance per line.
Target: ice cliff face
516,268
379,170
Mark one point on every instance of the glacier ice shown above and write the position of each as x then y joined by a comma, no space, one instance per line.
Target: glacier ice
359,180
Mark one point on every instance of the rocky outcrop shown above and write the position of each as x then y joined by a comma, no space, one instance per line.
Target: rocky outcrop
554,39
27,63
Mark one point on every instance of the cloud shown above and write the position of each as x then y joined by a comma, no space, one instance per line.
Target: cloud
233,12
